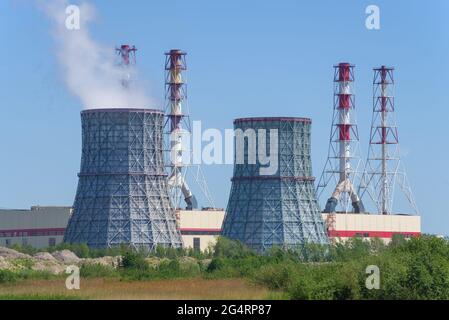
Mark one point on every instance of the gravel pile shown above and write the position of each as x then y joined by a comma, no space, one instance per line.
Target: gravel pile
12,254
44,256
66,257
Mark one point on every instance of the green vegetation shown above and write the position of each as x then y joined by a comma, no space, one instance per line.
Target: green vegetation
409,269
38,297
414,269
83,251
8,276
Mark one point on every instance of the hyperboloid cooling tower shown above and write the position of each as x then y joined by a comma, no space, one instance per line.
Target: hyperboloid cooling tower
277,208
122,195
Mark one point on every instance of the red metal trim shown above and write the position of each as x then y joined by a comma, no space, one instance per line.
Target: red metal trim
123,174
14,233
274,178
122,110
200,229
266,119
370,234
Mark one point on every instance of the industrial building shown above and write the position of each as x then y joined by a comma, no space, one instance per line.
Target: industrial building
343,226
40,226
44,226
200,228
128,193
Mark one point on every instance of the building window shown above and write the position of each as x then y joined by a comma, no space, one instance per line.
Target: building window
196,244
52,242
24,241
7,242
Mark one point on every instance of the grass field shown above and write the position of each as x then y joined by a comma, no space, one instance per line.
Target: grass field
99,289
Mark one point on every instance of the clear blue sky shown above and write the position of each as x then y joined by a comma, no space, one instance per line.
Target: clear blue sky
246,58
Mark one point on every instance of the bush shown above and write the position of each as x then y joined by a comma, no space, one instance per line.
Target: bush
8,276
98,271
231,249
134,260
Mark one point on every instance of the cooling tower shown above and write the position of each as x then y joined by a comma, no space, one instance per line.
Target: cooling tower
279,208
122,195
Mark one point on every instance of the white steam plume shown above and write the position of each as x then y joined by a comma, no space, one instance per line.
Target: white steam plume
90,69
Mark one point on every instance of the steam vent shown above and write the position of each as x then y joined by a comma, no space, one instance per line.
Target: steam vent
278,208
122,195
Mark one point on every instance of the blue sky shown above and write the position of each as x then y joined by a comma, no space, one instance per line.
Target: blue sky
245,58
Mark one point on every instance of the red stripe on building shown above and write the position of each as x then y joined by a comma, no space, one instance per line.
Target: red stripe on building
370,234
200,229
11,233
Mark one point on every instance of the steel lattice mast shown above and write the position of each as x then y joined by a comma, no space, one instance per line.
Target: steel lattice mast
178,128
383,165
341,170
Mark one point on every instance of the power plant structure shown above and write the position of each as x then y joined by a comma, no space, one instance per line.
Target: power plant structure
343,165
178,129
175,94
383,166
128,193
122,195
278,207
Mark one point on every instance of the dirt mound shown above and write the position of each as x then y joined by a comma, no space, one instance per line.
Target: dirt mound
53,267
66,256
44,256
12,254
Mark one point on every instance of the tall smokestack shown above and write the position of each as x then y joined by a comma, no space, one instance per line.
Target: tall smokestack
342,166
176,93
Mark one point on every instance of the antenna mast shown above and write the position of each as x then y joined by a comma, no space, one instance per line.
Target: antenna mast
384,166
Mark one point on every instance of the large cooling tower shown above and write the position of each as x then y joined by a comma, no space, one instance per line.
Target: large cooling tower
122,195
279,209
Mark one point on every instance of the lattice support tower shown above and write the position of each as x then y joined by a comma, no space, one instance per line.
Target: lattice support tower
342,170
383,167
178,129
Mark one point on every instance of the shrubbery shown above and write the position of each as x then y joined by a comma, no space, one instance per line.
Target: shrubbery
409,269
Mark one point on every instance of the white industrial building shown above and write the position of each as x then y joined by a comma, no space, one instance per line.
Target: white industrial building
341,226
44,226
200,228
39,227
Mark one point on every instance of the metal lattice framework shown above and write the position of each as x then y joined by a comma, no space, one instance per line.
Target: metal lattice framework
178,128
343,168
122,195
279,209
383,166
